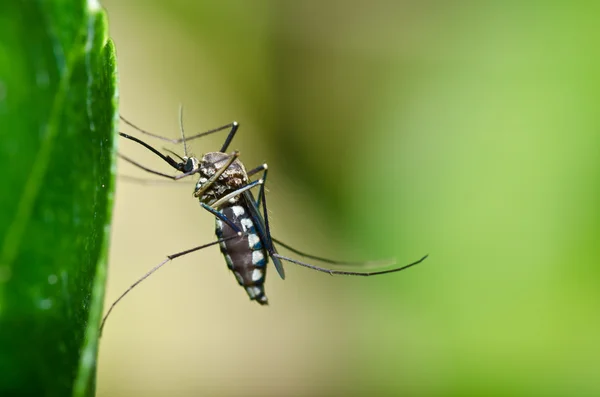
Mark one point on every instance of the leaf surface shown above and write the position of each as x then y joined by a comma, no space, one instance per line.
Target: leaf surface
58,118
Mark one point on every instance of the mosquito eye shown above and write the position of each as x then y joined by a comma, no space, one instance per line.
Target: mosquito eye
189,166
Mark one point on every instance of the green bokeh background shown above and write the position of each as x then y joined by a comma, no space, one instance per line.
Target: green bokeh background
466,130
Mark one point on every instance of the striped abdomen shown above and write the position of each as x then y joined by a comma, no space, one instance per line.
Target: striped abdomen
245,255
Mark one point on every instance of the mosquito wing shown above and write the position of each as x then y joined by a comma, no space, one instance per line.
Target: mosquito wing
261,230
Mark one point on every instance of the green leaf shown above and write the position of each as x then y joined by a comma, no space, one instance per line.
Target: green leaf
58,118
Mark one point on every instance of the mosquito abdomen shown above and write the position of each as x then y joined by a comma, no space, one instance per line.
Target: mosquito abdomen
245,255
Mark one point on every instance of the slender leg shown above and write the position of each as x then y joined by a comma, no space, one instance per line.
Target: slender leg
275,256
380,263
222,217
223,200
254,206
261,194
154,269
263,167
348,273
232,126
258,169
213,210
269,243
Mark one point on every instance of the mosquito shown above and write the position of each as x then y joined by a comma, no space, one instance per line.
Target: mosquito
224,189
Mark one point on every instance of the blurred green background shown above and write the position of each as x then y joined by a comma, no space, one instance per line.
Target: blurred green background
466,130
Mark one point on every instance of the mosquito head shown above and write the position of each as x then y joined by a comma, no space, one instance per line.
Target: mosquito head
190,164
209,189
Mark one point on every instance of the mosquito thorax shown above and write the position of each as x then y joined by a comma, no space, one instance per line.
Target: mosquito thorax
233,178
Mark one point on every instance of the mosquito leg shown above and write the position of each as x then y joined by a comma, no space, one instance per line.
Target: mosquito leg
232,126
237,192
267,232
385,262
275,256
258,169
222,217
263,167
347,273
154,269
224,200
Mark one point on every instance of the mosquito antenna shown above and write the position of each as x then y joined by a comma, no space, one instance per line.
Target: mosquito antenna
154,269
348,273
185,152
